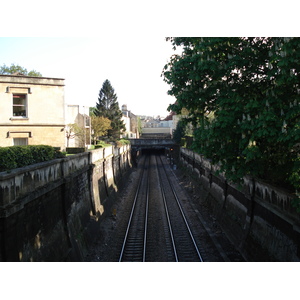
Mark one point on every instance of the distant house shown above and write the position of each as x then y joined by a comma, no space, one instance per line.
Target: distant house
151,123
156,128
131,123
167,124
79,136
32,111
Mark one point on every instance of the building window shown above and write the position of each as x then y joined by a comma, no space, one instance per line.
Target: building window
87,121
20,141
19,105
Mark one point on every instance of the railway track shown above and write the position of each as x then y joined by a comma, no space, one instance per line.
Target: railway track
183,241
134,244
157,229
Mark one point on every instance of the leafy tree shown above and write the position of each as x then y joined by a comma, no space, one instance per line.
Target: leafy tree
242,95
34,73
75,131
100,127
179,132
108,107
5,70
92,111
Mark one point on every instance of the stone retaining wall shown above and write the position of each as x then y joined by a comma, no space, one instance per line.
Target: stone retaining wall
52,210
258,218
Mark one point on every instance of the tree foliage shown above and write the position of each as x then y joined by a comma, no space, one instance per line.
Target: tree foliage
100,127
179,132
5,70
21,156
75,131
242,95
108,107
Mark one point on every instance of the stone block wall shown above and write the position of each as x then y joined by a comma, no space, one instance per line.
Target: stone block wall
258,218
44,120
51,211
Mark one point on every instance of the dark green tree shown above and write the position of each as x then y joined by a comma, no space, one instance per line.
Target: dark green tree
5,70
243,98
108,107
179,132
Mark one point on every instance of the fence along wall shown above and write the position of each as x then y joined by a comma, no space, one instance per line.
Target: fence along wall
52,210
258,218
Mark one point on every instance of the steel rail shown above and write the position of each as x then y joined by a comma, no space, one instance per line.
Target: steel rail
182,213
132,213
146,218
167,214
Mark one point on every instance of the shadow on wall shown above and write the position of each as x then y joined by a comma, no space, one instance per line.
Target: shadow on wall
258,218
51,211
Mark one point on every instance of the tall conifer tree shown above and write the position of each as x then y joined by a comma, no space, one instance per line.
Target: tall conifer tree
108,107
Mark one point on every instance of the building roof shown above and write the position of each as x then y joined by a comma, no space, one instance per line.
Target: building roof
18,74
32,80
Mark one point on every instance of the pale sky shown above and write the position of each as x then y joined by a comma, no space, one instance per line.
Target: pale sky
122,41
132,64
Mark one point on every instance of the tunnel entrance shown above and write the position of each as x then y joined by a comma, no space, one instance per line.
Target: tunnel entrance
153,151
154,146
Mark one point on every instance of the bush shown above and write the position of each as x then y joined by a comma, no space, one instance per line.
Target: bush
75,150
21,156
101,144
7,159
122,142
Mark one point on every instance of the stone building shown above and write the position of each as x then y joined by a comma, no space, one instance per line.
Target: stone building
131,123
32,111
79,136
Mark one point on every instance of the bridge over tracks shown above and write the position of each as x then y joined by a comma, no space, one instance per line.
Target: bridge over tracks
151,144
